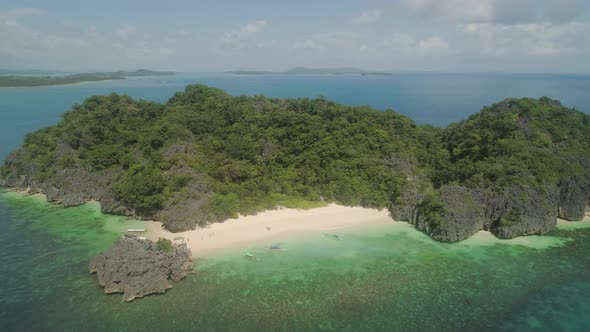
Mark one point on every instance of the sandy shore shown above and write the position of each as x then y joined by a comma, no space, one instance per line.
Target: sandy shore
270,226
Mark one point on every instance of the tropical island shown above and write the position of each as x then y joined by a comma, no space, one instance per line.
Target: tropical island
31,81
205,156
312,71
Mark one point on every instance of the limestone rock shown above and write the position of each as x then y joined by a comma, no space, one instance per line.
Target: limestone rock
138,267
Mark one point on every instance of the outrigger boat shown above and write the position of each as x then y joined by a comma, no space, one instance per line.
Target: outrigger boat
332,236
275,247
250,256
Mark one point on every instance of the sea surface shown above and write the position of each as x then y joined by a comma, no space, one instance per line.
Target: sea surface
392,278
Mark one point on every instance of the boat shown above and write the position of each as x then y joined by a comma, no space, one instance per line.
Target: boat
275,247
250,256
330,236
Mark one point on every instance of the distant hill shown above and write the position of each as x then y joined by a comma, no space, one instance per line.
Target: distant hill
142,72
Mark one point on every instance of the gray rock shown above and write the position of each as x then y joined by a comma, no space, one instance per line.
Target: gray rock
405,208
460,215
523,210
460,212
137,267
188,206
573,198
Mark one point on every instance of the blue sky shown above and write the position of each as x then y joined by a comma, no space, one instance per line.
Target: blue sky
439,35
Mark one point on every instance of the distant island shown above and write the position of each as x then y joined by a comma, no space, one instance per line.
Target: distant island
31,81
205,156
312,71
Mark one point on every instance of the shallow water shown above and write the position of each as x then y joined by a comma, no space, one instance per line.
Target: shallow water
388,278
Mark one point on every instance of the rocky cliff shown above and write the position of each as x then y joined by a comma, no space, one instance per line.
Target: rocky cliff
460,212
512,169
137,267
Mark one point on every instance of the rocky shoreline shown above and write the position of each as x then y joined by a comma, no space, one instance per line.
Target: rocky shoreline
138,267
514,211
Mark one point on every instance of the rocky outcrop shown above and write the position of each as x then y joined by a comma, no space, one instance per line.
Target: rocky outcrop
457,215
522,210
188,206
405,207
138,267
76,184
573,198
459,212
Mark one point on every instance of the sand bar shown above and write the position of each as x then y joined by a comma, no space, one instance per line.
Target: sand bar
270,226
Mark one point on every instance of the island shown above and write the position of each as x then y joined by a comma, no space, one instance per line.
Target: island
32,81
205,156
312,71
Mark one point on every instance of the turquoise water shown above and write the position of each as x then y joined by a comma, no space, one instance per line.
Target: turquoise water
393,278
437,99
387,278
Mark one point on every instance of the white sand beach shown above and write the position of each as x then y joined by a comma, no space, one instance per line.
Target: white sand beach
272,225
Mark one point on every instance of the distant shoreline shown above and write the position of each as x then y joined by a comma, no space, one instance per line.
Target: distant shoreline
52,85
15,81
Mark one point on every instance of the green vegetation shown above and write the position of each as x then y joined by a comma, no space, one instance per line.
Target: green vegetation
518,141
164,244
252,153
241,155
23,81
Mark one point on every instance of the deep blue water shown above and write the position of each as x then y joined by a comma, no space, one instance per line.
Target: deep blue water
436,99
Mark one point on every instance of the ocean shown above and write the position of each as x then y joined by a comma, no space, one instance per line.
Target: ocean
390,279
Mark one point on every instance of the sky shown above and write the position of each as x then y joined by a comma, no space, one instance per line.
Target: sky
208,36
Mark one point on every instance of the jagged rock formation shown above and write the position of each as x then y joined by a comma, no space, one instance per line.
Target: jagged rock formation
521,210
573,198
458,214
138,267
512,169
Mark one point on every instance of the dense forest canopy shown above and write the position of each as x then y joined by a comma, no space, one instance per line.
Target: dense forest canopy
206,156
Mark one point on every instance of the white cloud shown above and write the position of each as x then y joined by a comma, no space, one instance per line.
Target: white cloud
404,44
144,52
237,39
536,39
329,40
497,11
167,51
10,17
250,28
368,17
126,30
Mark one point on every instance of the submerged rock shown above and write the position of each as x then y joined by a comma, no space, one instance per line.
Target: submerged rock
137,267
